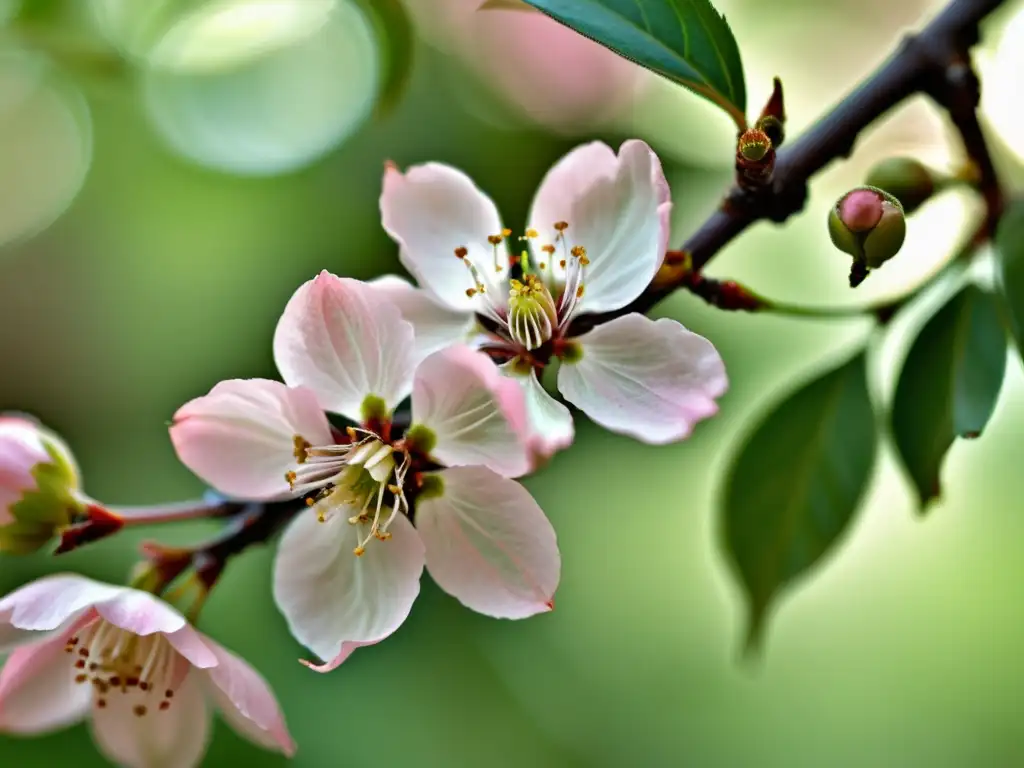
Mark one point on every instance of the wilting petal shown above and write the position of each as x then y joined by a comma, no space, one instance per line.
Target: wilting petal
477,414
346,342
334,601
489,544
245,700
38,692
550,423
173,738
617,208
240,438
435,326
144,614
48,604
432,209
651,379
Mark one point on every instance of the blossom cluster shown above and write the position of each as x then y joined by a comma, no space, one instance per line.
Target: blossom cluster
404,418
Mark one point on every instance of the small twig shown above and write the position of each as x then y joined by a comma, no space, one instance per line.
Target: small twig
912,69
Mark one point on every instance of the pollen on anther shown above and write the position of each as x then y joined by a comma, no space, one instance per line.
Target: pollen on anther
532,233
81,678
358,551
579,292
549,249
140,710
494,239
461,252
80,664
471,292
143,686
164,706
562,263
310,501
83,652
561,226
506,233
169,694
101,703
290,477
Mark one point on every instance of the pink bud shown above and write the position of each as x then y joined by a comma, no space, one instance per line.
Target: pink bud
21,449
861,210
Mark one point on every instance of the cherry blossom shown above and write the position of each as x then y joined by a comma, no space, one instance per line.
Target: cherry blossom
131,665
347,571
596,236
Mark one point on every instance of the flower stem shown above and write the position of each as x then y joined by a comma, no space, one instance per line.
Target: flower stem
176,512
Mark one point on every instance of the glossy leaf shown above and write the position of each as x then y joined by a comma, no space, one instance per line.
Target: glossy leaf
396,39
686,41
949,385
795,485
1010,258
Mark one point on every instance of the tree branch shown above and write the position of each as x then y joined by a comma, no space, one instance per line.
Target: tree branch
934,61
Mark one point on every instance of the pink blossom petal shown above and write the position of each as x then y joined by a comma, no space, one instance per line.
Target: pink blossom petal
550,423
48,604
477,415
617,208
240,438
432,209
38,692
173,738
245,700
333,600
21,449
435,326
346,342
651,379
489,544
144,614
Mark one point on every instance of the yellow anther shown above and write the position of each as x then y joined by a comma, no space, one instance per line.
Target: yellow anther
543,265
506,233
301,449
358,551
394,489
321,516
532,233
351,432
471,292
562,263
549,249
494,239
291,477
383,535
461,252
579,292
310,501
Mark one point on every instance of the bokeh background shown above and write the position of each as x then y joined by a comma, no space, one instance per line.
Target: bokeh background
156,215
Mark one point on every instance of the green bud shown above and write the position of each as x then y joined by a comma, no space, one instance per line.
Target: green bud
869,224
39,486
906,179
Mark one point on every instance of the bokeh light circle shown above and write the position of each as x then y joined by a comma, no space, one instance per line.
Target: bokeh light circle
251,87
45,145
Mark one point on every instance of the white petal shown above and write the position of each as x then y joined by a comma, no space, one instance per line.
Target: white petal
551,428
617,208
47,605
489,544
650,379
343,340
173,738
435,325
477,414
38,692
240,438
333,600
246,702
431,210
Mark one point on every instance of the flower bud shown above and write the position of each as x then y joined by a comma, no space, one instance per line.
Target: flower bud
869,224
906,179
38,485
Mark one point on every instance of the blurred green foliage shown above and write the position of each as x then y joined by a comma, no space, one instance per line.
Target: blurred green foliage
164,278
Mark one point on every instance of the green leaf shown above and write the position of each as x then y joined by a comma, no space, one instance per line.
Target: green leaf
949,385
396,38
792,491
686,41
1010,260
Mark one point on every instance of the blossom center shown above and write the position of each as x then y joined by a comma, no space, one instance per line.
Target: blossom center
145,668
363,475
532,315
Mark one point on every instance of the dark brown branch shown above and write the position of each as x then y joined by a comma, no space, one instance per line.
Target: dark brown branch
937,54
